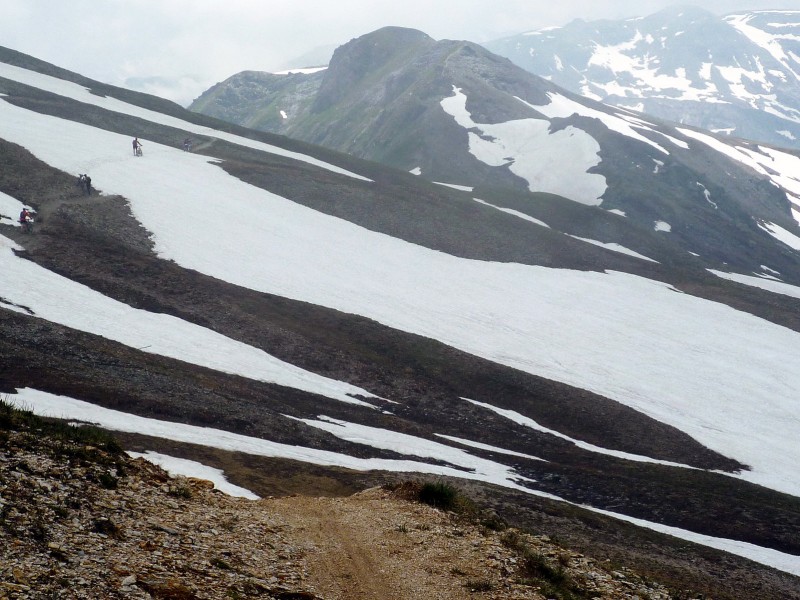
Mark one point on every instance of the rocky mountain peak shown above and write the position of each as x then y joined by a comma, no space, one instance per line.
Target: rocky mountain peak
363,58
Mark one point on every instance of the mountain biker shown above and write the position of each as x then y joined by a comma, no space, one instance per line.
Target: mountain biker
137,147
26,220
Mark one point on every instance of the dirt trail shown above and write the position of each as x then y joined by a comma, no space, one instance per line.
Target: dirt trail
341,562
368,547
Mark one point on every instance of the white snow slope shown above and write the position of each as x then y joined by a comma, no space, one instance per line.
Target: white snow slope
725,377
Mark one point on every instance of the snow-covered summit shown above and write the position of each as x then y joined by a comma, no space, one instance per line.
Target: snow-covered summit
738,75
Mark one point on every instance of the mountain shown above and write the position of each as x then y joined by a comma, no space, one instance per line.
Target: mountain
738,75
307,321
453,112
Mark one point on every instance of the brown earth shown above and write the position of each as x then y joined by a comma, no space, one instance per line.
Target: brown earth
82,522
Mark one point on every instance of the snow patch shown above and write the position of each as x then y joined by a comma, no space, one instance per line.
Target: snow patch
462,188
562,107
61,300
44,404
782,235
611,333
707,195
768,284
190,468
516,213
614,247
557,163
662,226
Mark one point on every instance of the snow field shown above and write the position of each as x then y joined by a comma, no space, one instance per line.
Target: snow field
615,334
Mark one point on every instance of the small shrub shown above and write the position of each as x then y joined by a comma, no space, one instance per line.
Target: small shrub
494,523
439,495
512,539
108,481
536,565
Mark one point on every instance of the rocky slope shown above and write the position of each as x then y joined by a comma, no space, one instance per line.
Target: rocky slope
80,519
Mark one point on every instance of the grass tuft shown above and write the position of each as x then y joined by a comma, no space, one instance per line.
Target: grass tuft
439,495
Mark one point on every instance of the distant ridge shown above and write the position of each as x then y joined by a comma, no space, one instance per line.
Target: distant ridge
738,75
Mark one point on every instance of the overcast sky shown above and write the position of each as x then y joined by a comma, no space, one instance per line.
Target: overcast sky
179,48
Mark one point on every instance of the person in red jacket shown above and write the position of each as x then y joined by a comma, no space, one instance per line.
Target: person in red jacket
26,220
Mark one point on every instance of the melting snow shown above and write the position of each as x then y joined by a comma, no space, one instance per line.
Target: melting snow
769,284
707,195
516,213
782,168
662,226
550,162
64,301
462,188
561,106
770,42
63,407
190,468
528,422
614,247
614,334
781,234
645,71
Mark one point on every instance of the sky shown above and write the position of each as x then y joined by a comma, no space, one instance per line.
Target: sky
179,48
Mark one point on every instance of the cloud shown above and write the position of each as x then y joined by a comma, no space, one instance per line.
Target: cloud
196,43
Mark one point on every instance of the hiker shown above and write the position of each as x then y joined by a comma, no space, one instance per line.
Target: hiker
80,182
26,220
187,145
87,182
137,147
